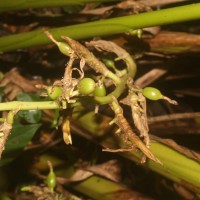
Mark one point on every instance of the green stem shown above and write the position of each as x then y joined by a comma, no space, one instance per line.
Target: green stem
21,105
100,188
103,27
25,4
96,187
131,71
131,66
113,76
176,166
116,93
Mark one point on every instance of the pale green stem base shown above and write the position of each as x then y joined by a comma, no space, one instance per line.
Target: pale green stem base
176,166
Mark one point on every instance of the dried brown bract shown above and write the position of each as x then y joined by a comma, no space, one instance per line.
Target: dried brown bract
126,133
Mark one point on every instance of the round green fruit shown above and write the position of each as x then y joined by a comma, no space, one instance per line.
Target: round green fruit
51,180
86,86
100,91
109,63
64,48
152,93
54,92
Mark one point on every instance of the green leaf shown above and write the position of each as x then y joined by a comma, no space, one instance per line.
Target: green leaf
17,140
30,116
27,97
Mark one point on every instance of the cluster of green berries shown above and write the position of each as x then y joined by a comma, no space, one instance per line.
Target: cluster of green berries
86,86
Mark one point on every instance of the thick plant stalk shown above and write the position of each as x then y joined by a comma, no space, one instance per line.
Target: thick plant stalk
94,186
176,166
100,188
103,27
25,4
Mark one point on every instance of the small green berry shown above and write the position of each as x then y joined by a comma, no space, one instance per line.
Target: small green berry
137,32
64,48
100,91
54,92
51,180
152,93
86,86
109,63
